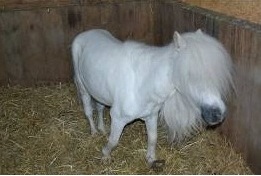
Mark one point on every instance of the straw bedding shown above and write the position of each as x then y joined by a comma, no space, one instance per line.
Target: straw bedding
43,131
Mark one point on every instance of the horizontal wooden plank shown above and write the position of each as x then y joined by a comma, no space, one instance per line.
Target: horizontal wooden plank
6,5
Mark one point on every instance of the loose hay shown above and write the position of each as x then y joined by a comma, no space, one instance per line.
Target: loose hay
44,131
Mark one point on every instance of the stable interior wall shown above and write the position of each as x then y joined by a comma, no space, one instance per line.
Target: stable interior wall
35,37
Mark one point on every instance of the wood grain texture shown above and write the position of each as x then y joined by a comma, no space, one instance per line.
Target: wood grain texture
6,5
36,43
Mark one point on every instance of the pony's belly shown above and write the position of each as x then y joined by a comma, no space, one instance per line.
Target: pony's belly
97,87
105,81
102,100
100,94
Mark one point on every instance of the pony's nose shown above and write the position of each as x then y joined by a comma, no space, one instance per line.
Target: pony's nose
211,115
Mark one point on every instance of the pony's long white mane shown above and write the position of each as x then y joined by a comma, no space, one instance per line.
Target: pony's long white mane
181,117
203,64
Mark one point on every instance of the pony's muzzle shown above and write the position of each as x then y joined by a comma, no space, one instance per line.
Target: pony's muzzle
212,115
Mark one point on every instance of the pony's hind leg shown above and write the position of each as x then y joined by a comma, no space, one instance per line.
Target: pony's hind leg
100,110
88,110
117,125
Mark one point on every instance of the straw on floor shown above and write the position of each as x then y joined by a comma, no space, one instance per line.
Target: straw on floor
43,131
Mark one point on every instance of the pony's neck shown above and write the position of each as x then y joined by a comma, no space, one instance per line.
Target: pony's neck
164,78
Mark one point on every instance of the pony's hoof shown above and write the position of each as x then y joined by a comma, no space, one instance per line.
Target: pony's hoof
102,130
94,133
106,160
158,165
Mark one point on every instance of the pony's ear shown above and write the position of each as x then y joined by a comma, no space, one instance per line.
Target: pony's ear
179,42
199,31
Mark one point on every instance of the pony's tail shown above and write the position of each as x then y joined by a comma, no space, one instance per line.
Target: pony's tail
181,117
76,53
76,57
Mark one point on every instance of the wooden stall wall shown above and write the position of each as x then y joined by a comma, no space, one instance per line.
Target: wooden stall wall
243,40
35,36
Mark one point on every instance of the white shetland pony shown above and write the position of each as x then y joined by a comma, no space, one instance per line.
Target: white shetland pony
185,83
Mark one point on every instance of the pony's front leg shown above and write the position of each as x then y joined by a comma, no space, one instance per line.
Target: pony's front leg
151,125
117,125
100,109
